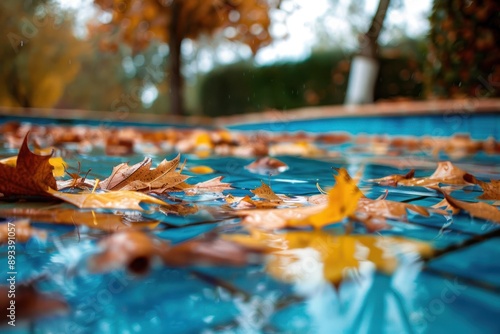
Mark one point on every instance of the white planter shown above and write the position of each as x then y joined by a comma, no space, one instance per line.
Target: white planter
362,79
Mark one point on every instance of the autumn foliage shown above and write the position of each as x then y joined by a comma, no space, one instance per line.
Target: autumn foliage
140,22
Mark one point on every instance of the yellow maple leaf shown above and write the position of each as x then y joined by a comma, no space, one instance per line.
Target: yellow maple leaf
121,199
342,202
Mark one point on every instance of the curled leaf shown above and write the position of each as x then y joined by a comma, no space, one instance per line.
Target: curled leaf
491,190
479,210
393,180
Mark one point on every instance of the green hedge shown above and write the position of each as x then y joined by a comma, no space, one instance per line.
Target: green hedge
318,80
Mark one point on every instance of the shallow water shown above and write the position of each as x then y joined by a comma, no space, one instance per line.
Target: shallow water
459,292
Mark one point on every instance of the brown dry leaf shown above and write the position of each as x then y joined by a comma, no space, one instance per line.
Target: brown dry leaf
267,166
140,177
478,210
446,173
389,209
124,174
446,206
393,180
121,199
23,231
32,175
210,186
265,192
491,190
97,220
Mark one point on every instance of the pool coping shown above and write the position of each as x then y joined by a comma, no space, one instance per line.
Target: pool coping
379,109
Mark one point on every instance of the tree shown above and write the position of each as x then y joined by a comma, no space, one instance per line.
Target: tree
39,55
365,66
139,22
464,53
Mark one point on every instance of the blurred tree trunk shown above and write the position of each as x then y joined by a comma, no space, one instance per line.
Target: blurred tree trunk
175,41
365,65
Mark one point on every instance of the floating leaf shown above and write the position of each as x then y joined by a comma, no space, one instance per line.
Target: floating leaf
210,186
393,180
265,192
342,202
479,210
445,172
390,209
140,177
121,199
31,176
491,190
267,166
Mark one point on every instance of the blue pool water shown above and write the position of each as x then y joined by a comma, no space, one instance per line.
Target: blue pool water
456,293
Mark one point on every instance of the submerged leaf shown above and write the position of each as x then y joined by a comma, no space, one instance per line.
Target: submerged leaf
445,172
